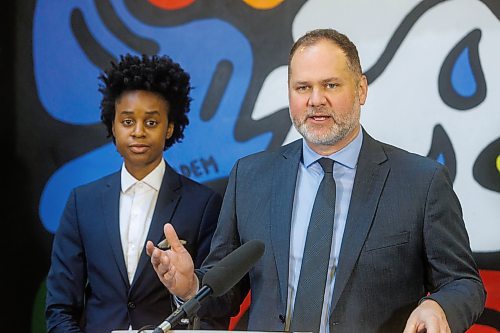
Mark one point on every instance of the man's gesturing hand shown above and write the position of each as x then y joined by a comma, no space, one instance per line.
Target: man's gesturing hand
428,317
174,266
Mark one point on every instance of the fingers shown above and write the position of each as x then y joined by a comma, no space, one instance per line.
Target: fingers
169,274
428,317
415,327
162,264
173,240
166,271
155,253
411,327
173,266
149,248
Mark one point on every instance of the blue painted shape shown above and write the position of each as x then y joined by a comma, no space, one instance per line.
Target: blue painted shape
65,78
462,75
81,170
440,159
67,86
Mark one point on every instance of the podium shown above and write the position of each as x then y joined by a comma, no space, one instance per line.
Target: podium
184,331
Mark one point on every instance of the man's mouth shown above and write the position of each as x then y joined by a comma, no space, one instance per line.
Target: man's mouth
319,117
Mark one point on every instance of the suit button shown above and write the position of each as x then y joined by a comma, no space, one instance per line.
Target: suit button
282,318
131,305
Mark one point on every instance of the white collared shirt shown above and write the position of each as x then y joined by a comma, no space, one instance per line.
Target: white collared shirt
137,204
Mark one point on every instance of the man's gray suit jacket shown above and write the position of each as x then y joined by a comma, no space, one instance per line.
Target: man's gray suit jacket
404,240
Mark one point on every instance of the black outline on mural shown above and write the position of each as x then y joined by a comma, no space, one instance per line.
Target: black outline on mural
441,144
484,170
398,37
115,25
90,46
216,89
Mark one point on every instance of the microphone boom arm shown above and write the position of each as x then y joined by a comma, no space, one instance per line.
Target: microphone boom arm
217,281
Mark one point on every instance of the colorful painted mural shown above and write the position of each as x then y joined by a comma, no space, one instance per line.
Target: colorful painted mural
432,68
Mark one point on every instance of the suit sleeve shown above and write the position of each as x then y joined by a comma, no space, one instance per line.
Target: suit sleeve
206,232
67,275
452,275
226,239
207,227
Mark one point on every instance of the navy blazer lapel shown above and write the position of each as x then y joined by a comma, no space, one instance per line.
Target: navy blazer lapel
168,197
283,190
371,175
111,208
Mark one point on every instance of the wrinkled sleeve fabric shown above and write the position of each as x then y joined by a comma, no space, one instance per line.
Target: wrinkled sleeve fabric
452,276
226,239
67,274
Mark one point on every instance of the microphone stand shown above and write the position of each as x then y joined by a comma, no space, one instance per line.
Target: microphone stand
194,323
217,281
187,310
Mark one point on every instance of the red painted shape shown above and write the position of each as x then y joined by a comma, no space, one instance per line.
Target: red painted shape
171,4
481,329
243,309
491,280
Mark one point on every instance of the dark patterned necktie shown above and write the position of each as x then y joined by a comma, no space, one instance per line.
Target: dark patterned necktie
313,273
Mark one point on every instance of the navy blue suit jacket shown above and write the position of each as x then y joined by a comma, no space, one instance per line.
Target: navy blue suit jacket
404,237
87,286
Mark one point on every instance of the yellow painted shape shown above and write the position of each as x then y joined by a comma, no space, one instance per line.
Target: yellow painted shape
263,4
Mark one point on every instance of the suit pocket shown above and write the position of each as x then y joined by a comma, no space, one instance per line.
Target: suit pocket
387,241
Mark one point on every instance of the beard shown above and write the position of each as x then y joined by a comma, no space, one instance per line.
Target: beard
319,135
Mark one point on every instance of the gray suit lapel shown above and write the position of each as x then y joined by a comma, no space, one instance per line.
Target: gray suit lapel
111,208
371,175
164,210
283,190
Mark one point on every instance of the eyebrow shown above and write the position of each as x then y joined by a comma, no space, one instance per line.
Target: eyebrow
153,112
330,79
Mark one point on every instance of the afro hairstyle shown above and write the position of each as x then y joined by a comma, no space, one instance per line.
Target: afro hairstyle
158,74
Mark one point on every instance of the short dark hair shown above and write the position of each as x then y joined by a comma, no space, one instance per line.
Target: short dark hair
158,74
339,39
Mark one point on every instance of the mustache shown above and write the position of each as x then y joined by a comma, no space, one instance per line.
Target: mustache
321,111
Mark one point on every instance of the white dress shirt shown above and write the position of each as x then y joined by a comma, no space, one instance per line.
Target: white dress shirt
137,204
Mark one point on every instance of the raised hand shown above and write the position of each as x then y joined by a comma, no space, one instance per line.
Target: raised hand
174,266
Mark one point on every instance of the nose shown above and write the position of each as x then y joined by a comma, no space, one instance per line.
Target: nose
138,131
317,97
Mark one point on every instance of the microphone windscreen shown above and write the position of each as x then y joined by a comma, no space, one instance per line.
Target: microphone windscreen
231,269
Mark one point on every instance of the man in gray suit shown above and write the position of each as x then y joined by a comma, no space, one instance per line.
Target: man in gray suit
399,254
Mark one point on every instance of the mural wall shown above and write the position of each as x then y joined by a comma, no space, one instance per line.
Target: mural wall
433,71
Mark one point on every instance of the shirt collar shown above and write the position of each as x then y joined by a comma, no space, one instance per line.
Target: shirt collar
347,156
153,179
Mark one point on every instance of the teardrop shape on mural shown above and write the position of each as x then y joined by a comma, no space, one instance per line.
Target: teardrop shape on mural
462,85
442,150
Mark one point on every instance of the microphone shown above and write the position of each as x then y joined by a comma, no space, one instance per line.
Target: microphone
218,280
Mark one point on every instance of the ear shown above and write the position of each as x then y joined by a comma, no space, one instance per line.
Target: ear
362,89
170,129
113,128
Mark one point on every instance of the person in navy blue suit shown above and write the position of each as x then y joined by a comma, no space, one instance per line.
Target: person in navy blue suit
100,277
